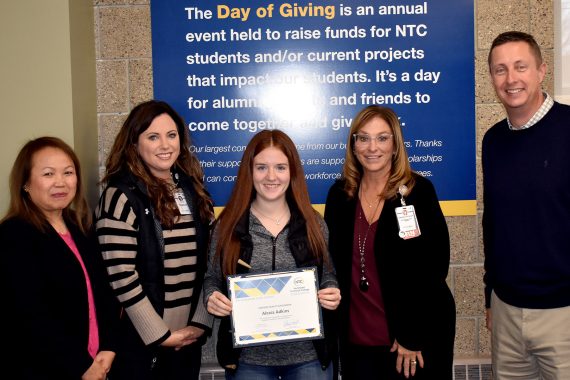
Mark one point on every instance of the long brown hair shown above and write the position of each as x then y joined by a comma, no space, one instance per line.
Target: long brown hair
243,194
22,206
124,158
400,173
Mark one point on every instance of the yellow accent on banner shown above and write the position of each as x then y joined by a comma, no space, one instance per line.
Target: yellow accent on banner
320,208
458,208
449,208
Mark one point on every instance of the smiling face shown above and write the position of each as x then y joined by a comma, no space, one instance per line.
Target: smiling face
517,78
159,146
53,181
271,174
375,152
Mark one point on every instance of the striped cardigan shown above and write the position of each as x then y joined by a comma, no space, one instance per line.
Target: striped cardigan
156,273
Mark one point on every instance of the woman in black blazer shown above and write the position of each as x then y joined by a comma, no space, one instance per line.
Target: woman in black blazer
390,246
59,310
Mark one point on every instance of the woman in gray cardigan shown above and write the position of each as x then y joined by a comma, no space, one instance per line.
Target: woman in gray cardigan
269,225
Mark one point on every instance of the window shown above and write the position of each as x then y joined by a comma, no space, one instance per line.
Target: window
562,51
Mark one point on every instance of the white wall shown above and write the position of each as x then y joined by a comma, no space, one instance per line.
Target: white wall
47,79
562,51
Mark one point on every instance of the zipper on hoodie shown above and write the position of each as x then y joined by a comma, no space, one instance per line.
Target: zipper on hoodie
274,243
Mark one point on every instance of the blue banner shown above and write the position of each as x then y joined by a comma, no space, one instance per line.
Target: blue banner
233,68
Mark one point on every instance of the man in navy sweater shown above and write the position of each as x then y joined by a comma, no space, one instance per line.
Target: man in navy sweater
526,220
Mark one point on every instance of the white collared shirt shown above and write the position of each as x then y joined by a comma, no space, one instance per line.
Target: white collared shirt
543,110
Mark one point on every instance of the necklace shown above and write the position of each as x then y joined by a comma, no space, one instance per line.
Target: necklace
363,284
369,219
276,221
366,200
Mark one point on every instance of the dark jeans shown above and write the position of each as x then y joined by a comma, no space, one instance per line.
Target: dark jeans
304,371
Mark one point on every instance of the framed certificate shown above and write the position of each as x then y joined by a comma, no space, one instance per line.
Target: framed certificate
275,307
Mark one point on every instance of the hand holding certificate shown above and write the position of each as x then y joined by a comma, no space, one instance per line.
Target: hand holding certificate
275,307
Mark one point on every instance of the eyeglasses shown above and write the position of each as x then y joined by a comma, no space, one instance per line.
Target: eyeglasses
365,140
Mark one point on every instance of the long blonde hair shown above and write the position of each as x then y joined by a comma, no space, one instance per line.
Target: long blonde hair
400,173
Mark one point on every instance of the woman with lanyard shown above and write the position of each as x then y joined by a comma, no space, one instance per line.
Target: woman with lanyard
390,245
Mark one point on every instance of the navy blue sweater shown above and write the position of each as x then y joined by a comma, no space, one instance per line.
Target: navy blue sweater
526,220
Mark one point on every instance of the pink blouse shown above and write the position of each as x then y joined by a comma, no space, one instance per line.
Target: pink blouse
93,345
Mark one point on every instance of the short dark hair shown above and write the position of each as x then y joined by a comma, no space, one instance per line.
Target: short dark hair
22,206
516,36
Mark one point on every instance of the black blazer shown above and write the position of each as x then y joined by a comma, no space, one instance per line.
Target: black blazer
419,306
45,305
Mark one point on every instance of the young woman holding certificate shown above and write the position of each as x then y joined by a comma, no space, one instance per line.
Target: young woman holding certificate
269,225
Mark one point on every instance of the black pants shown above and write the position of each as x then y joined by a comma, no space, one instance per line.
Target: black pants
378,363
370,363
158,364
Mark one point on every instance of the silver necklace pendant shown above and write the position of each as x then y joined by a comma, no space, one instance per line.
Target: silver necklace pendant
363,285
276,221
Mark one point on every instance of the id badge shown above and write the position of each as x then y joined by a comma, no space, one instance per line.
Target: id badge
181,202
407,222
